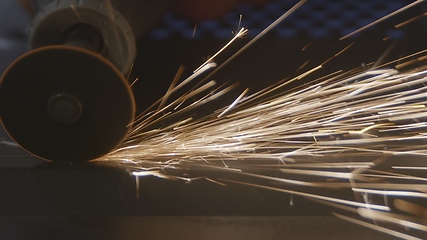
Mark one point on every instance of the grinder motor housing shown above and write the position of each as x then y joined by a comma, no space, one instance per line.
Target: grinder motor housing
117,22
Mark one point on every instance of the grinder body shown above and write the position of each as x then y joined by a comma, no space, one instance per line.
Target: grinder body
67,99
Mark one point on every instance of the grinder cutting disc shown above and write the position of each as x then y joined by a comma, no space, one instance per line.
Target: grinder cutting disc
65,104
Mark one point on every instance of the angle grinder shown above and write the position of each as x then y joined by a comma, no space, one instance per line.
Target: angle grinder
67,99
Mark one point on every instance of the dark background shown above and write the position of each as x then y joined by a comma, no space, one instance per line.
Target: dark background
85,201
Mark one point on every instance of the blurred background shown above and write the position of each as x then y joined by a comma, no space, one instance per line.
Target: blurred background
93,202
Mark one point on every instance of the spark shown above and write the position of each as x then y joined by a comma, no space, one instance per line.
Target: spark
358,131
391,193
194,30
260,35
393,218
130,71
239,34
318,173
410,168
311,122
172,86
316,196
234,103
410,20
306,46
303,65
408,63
216,182
337,54
240,21
133,83
312,131
382,19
